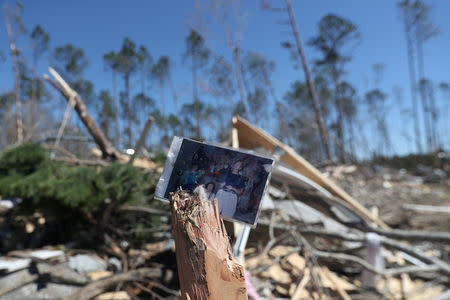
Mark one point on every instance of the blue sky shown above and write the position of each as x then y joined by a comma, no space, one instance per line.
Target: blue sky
100,26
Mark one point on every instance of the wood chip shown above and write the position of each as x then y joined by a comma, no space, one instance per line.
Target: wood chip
99,274
279,250
300,292
296,261
113,296
333,279
257,261
276,273
281,290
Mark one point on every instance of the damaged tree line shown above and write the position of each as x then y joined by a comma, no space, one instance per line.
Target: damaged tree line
335,248
321,112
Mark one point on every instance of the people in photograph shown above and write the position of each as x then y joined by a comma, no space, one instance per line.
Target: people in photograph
191,178
230,187
210,190
259,178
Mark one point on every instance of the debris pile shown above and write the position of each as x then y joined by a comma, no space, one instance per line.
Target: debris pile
313,240
81,274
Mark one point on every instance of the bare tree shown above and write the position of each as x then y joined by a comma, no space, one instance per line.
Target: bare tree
335,34
199,55
14,27
160,73
408,15
145,64
319,118
375,100
111,60
432,113
40,43
444,87
127,64
424,30
230,17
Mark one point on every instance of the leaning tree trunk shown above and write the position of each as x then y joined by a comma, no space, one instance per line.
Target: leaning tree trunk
206,266
100,139
312,89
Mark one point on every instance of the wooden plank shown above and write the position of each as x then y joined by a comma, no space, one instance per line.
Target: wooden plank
251,137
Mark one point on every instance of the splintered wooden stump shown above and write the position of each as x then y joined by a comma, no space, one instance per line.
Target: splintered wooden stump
206,266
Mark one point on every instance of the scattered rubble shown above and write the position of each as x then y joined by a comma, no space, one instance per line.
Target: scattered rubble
342,232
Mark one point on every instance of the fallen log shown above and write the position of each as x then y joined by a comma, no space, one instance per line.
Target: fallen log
96,288
206,266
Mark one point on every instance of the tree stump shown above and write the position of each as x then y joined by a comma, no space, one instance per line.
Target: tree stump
206,266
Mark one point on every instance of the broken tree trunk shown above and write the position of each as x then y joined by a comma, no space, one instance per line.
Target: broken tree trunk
100,139
206,266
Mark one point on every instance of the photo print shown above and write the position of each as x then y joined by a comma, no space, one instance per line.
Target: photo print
235,178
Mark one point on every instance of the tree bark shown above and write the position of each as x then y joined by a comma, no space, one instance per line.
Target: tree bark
100,139
312,89
206,266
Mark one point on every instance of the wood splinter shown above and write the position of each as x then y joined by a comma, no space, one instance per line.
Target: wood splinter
206,266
